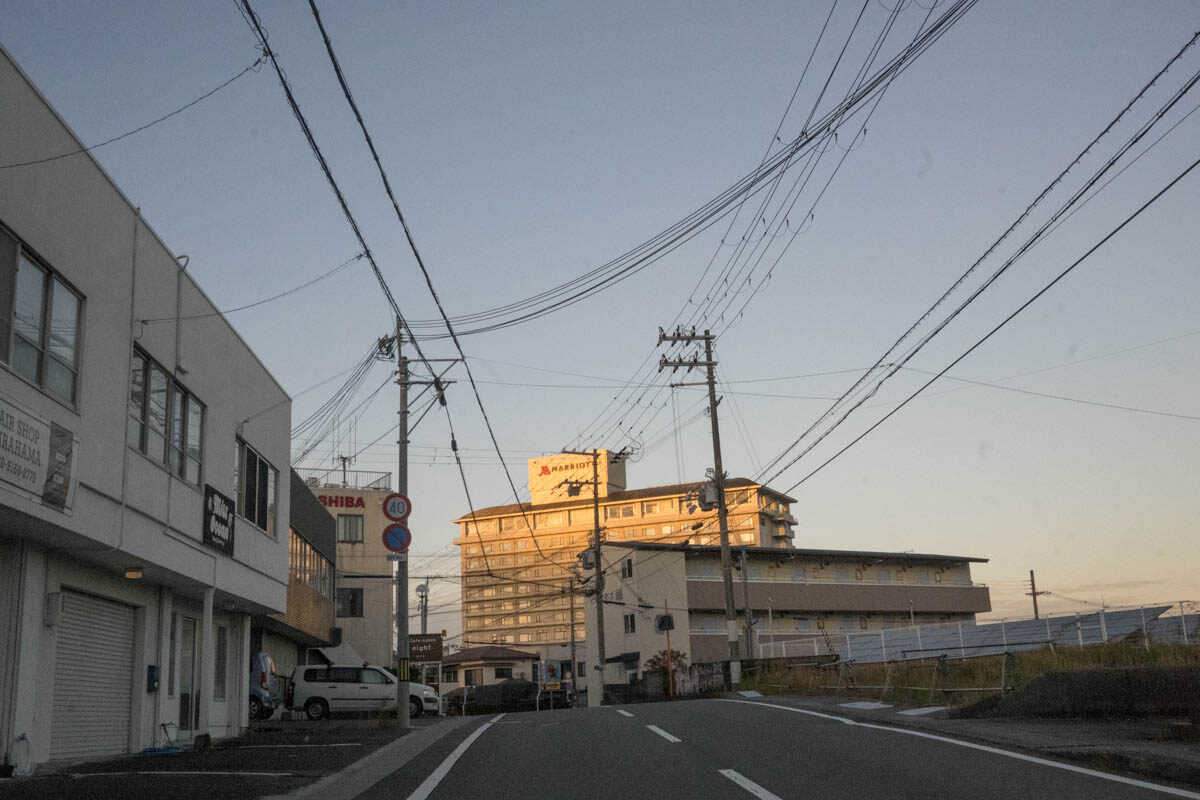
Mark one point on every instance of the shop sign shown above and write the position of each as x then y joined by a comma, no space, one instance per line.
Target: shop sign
218,520
37,455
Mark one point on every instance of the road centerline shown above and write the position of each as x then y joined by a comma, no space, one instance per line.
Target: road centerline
664,734
749,785
626,713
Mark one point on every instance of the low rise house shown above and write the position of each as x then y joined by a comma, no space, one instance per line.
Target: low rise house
486,665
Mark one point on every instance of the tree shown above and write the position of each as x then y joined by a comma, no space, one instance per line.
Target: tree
659,660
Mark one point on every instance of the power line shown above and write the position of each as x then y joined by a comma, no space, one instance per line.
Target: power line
1005,321
258,62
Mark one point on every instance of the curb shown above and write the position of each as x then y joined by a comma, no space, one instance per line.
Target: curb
375,766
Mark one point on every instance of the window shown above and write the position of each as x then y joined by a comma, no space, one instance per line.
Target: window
549,519
471,677
449,674
511,523
523,544
373,676
39,319
350,528
166,421
630,623
652,507
503,672
525,637
257,482
616,512
747,538
349,602
220,666
627,568
543,636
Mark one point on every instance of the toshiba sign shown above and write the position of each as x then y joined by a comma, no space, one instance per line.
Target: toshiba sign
552,478
334,501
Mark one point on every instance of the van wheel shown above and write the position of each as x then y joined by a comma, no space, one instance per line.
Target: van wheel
316,708
256,708
414,708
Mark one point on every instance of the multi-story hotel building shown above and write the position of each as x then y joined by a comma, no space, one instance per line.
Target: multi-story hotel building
518,560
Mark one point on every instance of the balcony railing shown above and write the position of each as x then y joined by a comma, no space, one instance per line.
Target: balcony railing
338,478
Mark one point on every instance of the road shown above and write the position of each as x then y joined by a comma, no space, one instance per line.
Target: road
728,749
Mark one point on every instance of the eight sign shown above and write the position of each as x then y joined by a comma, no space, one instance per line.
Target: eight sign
397,538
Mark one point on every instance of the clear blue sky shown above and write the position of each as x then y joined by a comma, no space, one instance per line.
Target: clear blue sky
532,142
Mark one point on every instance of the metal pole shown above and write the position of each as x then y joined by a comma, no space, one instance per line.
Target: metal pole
425,606
1079,628
1145,636
574,660
1004,634
962,651
746,604
670,660
735,664
1103,625
771,624
1183,620
1034,593
599,575
402,565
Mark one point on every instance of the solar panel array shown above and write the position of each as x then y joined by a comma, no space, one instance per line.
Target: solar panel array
969,639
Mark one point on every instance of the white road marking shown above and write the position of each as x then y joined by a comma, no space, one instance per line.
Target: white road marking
626,713
264,746
867,705
180,772
663,733
917,712
749,785
985,748
429,784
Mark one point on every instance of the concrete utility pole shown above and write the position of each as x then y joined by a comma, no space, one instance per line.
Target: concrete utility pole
574,660
402,564
746,603
731,625
599,588
1033,592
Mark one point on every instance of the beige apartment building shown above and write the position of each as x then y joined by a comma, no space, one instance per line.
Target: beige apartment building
518,560
795,595
365,594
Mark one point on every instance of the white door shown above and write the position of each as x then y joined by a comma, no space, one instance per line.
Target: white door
93,677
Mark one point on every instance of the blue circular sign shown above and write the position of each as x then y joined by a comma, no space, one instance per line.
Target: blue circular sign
397,538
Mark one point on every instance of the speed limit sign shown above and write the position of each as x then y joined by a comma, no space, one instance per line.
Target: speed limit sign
397,507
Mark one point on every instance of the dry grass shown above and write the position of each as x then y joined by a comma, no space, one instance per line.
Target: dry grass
943,682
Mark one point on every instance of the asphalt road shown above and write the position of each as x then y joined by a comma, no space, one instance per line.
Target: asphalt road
727,749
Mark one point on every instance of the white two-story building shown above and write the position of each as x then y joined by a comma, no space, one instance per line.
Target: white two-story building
143,467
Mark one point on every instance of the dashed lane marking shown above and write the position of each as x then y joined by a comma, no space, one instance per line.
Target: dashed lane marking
749,785
664,734
626,713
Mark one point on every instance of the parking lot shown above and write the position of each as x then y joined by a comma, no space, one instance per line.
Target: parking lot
275,757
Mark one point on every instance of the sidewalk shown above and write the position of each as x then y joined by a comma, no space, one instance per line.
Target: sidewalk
274,758
1154,749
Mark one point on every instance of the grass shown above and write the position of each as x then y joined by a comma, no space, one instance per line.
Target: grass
943,681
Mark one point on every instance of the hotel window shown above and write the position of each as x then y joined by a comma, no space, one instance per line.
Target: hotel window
523,544
525,637
652,507
747,538
39,320
167,422
543,636
349,602
549,519
668,530
257,482
617,512
350,528
511,523
630,623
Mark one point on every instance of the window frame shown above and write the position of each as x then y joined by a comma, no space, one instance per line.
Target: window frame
44,348
270,508
341,531
354,599
177,442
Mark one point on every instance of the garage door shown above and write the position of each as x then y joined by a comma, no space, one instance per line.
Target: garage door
93,677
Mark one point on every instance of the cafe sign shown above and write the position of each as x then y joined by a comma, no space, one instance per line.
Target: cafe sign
218,520
37,455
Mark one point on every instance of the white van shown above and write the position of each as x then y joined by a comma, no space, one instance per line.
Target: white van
320,689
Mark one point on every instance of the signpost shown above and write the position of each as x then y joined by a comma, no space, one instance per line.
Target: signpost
397,538
397,507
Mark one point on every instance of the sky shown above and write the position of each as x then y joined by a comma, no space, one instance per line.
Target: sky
529,143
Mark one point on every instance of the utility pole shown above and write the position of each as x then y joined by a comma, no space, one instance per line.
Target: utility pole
1033,592
402,563
599,587
731,625
425,605
746,603
574,660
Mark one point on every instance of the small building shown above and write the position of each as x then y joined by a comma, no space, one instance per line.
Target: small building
794,595
309,620
486,665
365,594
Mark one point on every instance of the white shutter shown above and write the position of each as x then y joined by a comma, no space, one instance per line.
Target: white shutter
93,678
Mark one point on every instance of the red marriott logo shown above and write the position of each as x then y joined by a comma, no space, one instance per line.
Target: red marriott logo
548,468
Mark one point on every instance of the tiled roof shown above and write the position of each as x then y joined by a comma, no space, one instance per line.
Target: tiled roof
487,653
797,552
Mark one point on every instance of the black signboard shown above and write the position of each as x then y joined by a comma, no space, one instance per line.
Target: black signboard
218,520
424,647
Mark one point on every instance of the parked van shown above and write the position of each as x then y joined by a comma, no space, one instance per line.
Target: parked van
264,686
323,688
